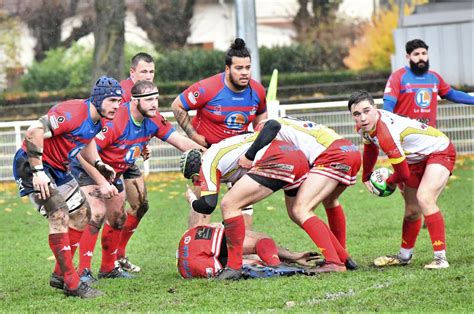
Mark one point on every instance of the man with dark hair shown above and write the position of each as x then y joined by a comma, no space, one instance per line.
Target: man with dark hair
413,91
142,67
120,143
226,104
422,158
40,168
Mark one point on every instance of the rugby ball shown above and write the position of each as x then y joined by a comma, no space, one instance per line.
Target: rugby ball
377,178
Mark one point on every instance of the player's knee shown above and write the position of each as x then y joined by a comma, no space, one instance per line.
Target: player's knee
55,204
142,209
425,200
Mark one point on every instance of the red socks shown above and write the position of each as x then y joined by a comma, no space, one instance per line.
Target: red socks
87,245
74,238
234,229
127,231
410,232
110,239
268,252
435,225
59,244
337,223
317,231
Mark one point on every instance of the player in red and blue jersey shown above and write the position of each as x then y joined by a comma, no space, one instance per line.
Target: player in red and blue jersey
142,67
120,143
226,104
40,168
413,91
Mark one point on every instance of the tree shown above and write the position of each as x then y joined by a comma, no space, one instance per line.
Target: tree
167,22
45,19
109,29
318,26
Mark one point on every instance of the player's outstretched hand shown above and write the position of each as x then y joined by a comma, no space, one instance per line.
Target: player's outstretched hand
307,258
105,170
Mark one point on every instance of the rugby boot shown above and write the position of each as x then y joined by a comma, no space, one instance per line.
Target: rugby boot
229,274
86,276
84,291
117,272
438,263
56,281
126,265
392,260
351,264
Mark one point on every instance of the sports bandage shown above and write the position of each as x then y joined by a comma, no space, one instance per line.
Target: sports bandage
139,96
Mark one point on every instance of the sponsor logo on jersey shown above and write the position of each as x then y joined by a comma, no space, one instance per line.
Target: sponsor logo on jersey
423,98
133,153
236,120
54,121
338,166
187,240
192,97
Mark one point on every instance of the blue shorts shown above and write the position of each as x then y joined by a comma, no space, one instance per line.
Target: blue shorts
24,176
84,179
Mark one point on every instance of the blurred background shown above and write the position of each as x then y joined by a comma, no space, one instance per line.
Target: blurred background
323,49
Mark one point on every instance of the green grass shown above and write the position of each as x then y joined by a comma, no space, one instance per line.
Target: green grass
374,227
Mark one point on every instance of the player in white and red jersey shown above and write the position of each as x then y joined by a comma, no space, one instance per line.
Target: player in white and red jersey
412,91
40,168
277,165
423,159
120,143
334,163
202,251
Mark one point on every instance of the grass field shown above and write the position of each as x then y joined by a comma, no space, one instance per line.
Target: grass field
374,228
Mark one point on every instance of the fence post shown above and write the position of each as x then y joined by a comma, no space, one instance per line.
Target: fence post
18,140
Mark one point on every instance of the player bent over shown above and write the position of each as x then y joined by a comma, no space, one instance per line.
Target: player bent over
334,163
278,165
119,143
422,158
40,170
202,251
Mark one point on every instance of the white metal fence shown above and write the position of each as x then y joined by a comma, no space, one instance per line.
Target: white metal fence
456,121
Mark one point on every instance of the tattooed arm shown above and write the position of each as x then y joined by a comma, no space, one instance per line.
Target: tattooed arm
34,139
184,121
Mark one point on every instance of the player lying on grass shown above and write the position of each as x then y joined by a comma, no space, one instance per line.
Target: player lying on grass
423,159
202,252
